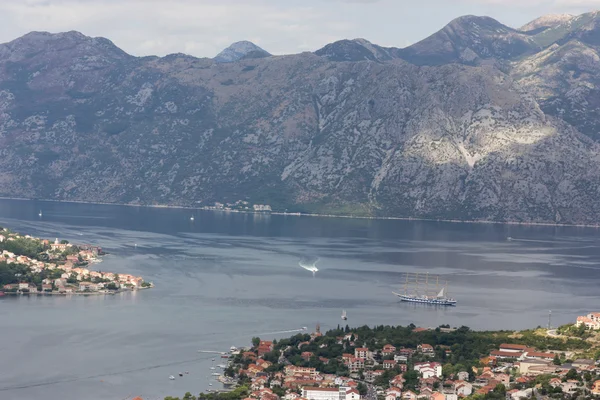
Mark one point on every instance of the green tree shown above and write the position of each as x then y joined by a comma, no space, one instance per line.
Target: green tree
255,341
500,389
362,388
447,370
189,396
412,378
572,374
556,360
72,279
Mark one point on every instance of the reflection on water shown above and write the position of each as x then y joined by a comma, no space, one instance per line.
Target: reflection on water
229,276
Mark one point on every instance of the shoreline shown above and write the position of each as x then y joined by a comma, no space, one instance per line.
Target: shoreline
299,214
53,293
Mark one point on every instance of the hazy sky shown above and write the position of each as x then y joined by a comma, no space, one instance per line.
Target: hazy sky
204,27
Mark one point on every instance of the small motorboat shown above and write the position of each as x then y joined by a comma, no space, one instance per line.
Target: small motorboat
210,384
304,328
212,368
213,359
181,374
192,218
232,348
215,374
223,366
187,372
172,377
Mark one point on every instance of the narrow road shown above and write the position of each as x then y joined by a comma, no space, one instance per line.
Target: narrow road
552,333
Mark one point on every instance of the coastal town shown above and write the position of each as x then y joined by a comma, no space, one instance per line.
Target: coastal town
411,363
30,265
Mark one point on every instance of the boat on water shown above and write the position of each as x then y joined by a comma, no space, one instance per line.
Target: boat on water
417,290
344,316
172,377
181,374
192,218
212,368
304,328
222,366
224,356
216,374
40,213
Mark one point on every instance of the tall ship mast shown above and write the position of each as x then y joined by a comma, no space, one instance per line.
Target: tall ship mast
417,289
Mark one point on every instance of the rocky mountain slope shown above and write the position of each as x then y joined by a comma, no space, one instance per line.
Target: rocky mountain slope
479,121
545,22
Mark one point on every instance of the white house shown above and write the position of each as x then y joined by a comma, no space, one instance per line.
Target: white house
393,393
591,321
351,394
429,370
401,358
316,393
463,388
522,394
362,352
463,376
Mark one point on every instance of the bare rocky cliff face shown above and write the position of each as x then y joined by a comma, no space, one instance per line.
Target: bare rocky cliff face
477,122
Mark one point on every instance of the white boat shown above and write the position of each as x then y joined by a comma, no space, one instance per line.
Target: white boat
213,359
420,289
232,348
304,328
210,384
172,377
192,218
344,316
215,374
181,374
40,214
212,368
223,366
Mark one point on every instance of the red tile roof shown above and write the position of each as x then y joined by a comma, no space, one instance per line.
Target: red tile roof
513,346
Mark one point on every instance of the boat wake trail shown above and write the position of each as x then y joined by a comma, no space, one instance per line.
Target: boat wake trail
512,239
309,264
282,332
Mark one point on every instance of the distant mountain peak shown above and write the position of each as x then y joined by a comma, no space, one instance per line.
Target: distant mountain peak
355,50
62,41
240,50
546,21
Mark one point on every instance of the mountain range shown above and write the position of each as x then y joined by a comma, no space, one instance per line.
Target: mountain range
479,121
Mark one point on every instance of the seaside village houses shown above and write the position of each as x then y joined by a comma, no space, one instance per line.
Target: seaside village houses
366,366
71,265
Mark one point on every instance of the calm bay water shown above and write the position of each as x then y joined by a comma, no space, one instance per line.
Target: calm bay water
224,278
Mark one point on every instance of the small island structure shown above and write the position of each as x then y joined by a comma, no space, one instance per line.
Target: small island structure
30,265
